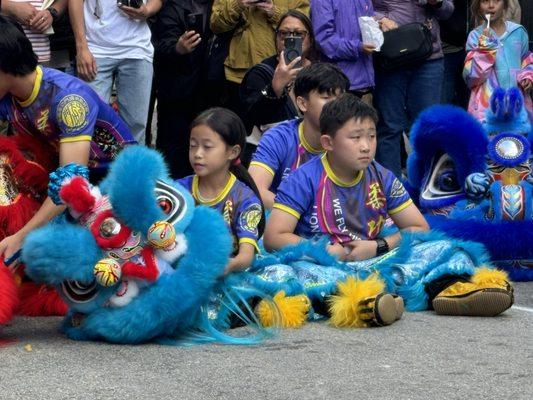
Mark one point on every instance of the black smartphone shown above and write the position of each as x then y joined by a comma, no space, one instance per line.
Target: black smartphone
195,22
131,3
293,49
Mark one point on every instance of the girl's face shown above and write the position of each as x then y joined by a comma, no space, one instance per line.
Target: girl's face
208,153
495,8
292,27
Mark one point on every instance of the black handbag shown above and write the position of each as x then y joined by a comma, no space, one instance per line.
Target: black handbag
405,46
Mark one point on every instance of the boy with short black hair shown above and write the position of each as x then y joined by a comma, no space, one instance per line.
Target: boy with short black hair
292,143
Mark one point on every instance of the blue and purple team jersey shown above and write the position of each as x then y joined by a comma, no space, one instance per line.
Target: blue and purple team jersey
239,206
282,149
344,211
63,109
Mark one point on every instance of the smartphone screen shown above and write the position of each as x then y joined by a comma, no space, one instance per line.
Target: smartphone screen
195,22
293,49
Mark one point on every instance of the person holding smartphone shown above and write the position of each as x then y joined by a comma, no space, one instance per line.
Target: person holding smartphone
180,35
253,23
266,91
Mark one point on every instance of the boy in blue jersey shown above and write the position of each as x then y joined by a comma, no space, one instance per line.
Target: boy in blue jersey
58,109
344,193
347,196
290,144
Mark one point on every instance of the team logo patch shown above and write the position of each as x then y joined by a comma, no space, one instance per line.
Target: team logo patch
397,189
72,111
250,218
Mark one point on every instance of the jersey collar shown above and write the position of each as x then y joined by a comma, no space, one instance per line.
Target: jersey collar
304,141
219,197
336,180
35,90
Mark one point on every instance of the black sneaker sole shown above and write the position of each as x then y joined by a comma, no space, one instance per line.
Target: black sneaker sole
482,303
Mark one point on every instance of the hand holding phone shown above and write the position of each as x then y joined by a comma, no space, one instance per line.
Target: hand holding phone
293,50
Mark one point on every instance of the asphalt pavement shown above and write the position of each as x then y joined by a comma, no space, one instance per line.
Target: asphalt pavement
423,356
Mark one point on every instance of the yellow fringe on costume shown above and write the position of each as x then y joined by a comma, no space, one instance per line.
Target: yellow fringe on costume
344,306
490,278
285,311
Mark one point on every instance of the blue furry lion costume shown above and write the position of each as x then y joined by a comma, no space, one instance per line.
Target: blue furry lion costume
475,181
135,260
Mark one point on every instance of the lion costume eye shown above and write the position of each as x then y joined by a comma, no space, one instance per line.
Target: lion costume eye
171,201
447,181
110,227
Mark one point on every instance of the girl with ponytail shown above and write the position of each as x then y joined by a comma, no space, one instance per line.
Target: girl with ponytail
217,140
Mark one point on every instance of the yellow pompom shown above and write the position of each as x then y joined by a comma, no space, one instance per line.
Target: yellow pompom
284,311
491,278
107,272
161,235
344,306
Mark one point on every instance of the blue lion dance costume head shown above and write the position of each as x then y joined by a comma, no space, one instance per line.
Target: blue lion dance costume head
135,260
475,182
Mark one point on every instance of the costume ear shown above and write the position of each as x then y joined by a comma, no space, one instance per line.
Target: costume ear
514,102
497,103
76,193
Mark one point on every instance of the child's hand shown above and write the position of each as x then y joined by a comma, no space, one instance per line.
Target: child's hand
526,84
336,250
362,250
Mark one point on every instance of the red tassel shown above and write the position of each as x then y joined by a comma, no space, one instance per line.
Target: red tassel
40,301
8,294
77,195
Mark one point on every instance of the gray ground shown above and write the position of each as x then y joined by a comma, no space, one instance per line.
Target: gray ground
423,356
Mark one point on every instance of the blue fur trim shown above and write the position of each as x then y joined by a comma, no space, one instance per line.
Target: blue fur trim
509,162
446,129
506,113
58,252
504,240
59,176
130,184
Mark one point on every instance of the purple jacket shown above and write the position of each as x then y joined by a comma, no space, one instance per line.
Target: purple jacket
406,11
338,37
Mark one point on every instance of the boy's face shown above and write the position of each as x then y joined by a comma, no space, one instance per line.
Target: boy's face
312,106
354,145
493,7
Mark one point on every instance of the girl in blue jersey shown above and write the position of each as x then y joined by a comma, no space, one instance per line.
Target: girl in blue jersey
217,139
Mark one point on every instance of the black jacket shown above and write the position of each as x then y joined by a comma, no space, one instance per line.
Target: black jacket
260,109
177,77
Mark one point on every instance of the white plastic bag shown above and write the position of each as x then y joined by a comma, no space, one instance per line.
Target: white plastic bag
370,32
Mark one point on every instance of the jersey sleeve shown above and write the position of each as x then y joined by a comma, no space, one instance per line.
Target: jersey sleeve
295,193
76,115
271,151
247,217
398,198
4,108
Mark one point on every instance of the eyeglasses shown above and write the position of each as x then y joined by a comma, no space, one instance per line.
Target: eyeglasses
285,34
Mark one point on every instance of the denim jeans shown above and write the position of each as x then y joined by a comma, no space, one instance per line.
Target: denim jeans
454,89
399,97
133,79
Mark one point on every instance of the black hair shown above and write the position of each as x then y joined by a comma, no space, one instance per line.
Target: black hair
232,131
16,53
321,77
475,9
340,110
304,19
